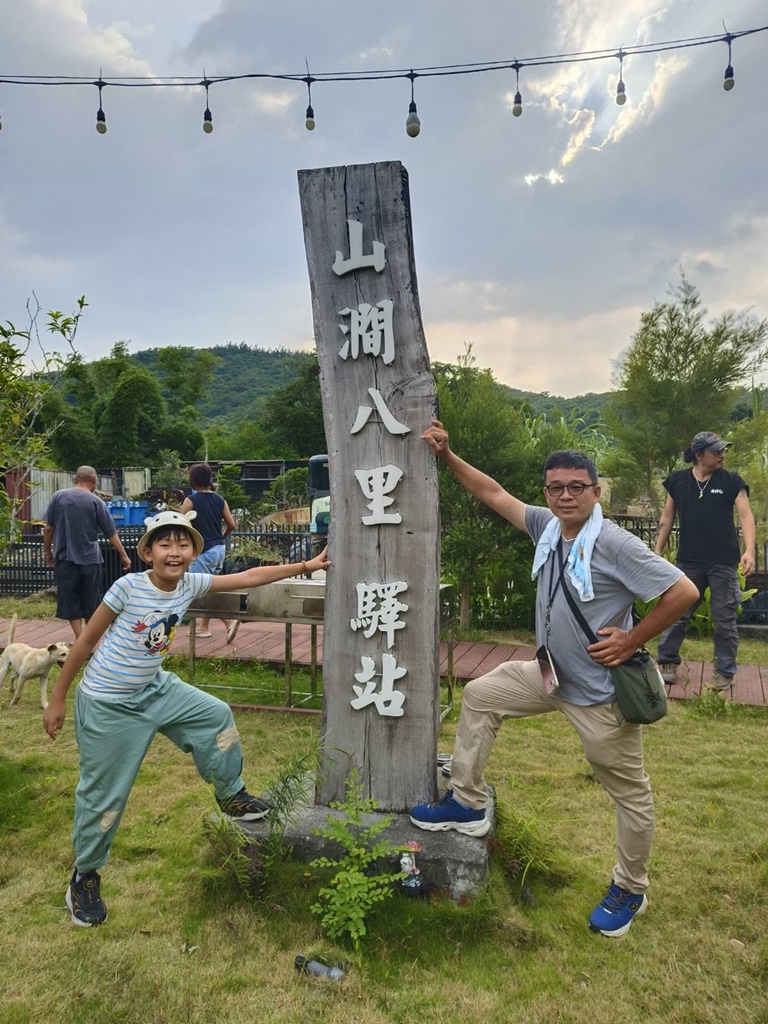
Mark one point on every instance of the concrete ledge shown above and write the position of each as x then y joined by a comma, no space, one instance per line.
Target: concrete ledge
449,861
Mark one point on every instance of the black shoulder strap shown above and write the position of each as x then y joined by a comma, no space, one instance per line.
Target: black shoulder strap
572,604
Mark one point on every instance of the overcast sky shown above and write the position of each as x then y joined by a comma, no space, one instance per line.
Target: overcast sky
540,239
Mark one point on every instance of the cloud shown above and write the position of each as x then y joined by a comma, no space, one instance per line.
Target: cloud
565,356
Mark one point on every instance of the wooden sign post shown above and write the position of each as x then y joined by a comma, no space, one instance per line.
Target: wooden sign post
380,641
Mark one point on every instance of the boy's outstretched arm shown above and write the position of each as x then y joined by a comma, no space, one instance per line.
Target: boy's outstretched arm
268,574
95,627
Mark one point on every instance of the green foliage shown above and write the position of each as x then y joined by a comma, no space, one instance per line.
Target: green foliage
676,370
287,793
522,843
749,457
248,860
186,374
113,411
25,391
701,620
228,843
292,415
486,558
354,890
710,703
289,490
228,486
168,470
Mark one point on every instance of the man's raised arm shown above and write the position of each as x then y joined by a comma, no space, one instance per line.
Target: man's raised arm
482,486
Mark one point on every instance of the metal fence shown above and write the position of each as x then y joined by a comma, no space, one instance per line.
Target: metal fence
646,530
24,570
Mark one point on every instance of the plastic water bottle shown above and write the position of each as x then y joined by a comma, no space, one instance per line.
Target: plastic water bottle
318,970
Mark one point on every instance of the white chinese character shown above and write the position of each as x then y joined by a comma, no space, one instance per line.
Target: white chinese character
356,259
370,330
364,414
388,701
376,485
385,615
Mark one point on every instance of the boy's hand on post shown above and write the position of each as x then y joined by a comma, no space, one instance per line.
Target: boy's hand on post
437,438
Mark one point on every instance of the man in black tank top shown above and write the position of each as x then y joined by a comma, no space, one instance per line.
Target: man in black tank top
703,498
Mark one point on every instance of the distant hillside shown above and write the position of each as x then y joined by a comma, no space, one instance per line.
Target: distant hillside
542,401
244,376
247,374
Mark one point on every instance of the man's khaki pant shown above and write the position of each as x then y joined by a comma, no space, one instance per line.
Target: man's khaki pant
614,749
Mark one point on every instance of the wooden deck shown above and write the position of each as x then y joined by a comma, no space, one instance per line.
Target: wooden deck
265,641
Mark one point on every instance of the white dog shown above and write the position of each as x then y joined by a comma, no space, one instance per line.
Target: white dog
25,662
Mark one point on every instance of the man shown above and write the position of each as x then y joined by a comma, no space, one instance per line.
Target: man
610,568
73,521
703,498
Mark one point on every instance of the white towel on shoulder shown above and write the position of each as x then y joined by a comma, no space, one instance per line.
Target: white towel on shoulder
578,565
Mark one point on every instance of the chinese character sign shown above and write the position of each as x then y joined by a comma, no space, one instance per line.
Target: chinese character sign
380,644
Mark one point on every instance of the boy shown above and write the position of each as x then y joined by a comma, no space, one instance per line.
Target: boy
125,697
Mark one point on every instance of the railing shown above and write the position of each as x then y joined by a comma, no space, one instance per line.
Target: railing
646,529
24,570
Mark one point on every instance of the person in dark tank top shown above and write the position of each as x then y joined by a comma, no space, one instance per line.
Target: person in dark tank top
215,522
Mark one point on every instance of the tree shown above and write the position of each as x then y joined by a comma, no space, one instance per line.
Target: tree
185,373
677,377
25,387
484,556
292,416
112,412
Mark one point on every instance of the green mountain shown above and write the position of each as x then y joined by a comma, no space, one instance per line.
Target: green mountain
243,377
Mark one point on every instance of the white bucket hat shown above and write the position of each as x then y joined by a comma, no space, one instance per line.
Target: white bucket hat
171,518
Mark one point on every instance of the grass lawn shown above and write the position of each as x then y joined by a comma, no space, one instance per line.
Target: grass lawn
182,946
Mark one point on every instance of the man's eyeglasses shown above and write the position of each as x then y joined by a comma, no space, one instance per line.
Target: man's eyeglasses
574,489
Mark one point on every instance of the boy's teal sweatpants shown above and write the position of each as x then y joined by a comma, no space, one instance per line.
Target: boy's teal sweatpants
113,737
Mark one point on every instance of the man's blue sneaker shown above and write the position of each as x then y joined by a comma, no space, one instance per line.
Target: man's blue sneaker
617,910
449,814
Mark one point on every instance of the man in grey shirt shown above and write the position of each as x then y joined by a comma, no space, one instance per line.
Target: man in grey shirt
619,568
74,519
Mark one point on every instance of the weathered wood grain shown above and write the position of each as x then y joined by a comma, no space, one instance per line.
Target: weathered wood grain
395,756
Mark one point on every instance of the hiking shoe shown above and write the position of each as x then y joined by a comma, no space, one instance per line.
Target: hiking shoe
244,807
615,913
668,670
449,814
84,901
721,682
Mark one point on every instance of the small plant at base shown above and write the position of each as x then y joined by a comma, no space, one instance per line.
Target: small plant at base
249,859
286,795
522,844
228,842
710,703
353,891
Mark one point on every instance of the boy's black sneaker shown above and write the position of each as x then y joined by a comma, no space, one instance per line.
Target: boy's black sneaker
244,807
84,900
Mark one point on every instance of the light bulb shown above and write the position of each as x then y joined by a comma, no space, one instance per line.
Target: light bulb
729,81
309,124
517,107
621,93
207,121
412,122
101,122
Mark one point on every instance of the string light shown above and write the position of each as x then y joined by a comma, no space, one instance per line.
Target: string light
728,79
621,89
309,122
101,120
412,122
207,115
517,103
